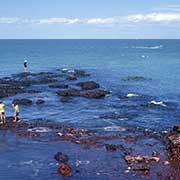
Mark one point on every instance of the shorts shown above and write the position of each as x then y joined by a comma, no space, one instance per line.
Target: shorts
3,113
17,114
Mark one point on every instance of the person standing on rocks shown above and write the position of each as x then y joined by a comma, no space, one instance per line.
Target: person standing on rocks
16,112
25,66
2,113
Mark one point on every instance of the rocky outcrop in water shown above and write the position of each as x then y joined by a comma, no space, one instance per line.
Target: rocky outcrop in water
23,101
40,101
88,85
69,92
95,94
59,86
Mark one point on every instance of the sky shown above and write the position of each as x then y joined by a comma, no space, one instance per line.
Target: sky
90,19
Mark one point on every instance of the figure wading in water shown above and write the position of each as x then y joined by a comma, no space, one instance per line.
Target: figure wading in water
16,112
2,113
25,66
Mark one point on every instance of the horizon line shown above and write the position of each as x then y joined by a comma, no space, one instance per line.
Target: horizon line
89,38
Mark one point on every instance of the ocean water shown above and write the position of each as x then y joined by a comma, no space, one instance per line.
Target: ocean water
110,63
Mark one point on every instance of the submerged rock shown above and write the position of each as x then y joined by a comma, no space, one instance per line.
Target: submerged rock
60,157
23,101
134,78
40,101
69,92
27,134
63,86
80,73
111,147
88,85
95,94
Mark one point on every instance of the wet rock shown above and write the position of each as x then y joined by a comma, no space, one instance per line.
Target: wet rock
65,169
23,101
129,159
60,157
141,167
88,85
155,154
176,128
14,82
173,144
111,147
70,92
40,101
95,94
63,86
138,159
71,78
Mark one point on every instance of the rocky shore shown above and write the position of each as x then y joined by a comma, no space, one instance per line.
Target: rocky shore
134,153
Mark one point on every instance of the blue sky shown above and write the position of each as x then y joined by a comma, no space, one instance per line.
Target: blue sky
89,19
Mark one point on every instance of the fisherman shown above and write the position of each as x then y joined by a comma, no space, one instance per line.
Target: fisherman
16,112
2,113
25,66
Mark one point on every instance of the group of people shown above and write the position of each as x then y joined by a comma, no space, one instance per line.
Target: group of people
16,117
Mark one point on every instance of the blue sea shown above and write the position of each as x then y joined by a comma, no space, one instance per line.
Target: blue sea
110,63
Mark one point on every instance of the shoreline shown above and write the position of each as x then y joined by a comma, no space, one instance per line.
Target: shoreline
132,152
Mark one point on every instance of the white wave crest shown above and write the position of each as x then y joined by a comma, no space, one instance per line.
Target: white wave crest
39,129
157,103
114,128
147,47
132,95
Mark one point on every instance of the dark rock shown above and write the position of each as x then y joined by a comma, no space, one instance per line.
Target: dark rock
95,94
70,92
173,144
63,86
88,85
22,101
141,167
60,157
155,154
40,101
110,147
176,128
65,169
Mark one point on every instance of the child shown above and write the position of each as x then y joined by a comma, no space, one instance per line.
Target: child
2,113
16,112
